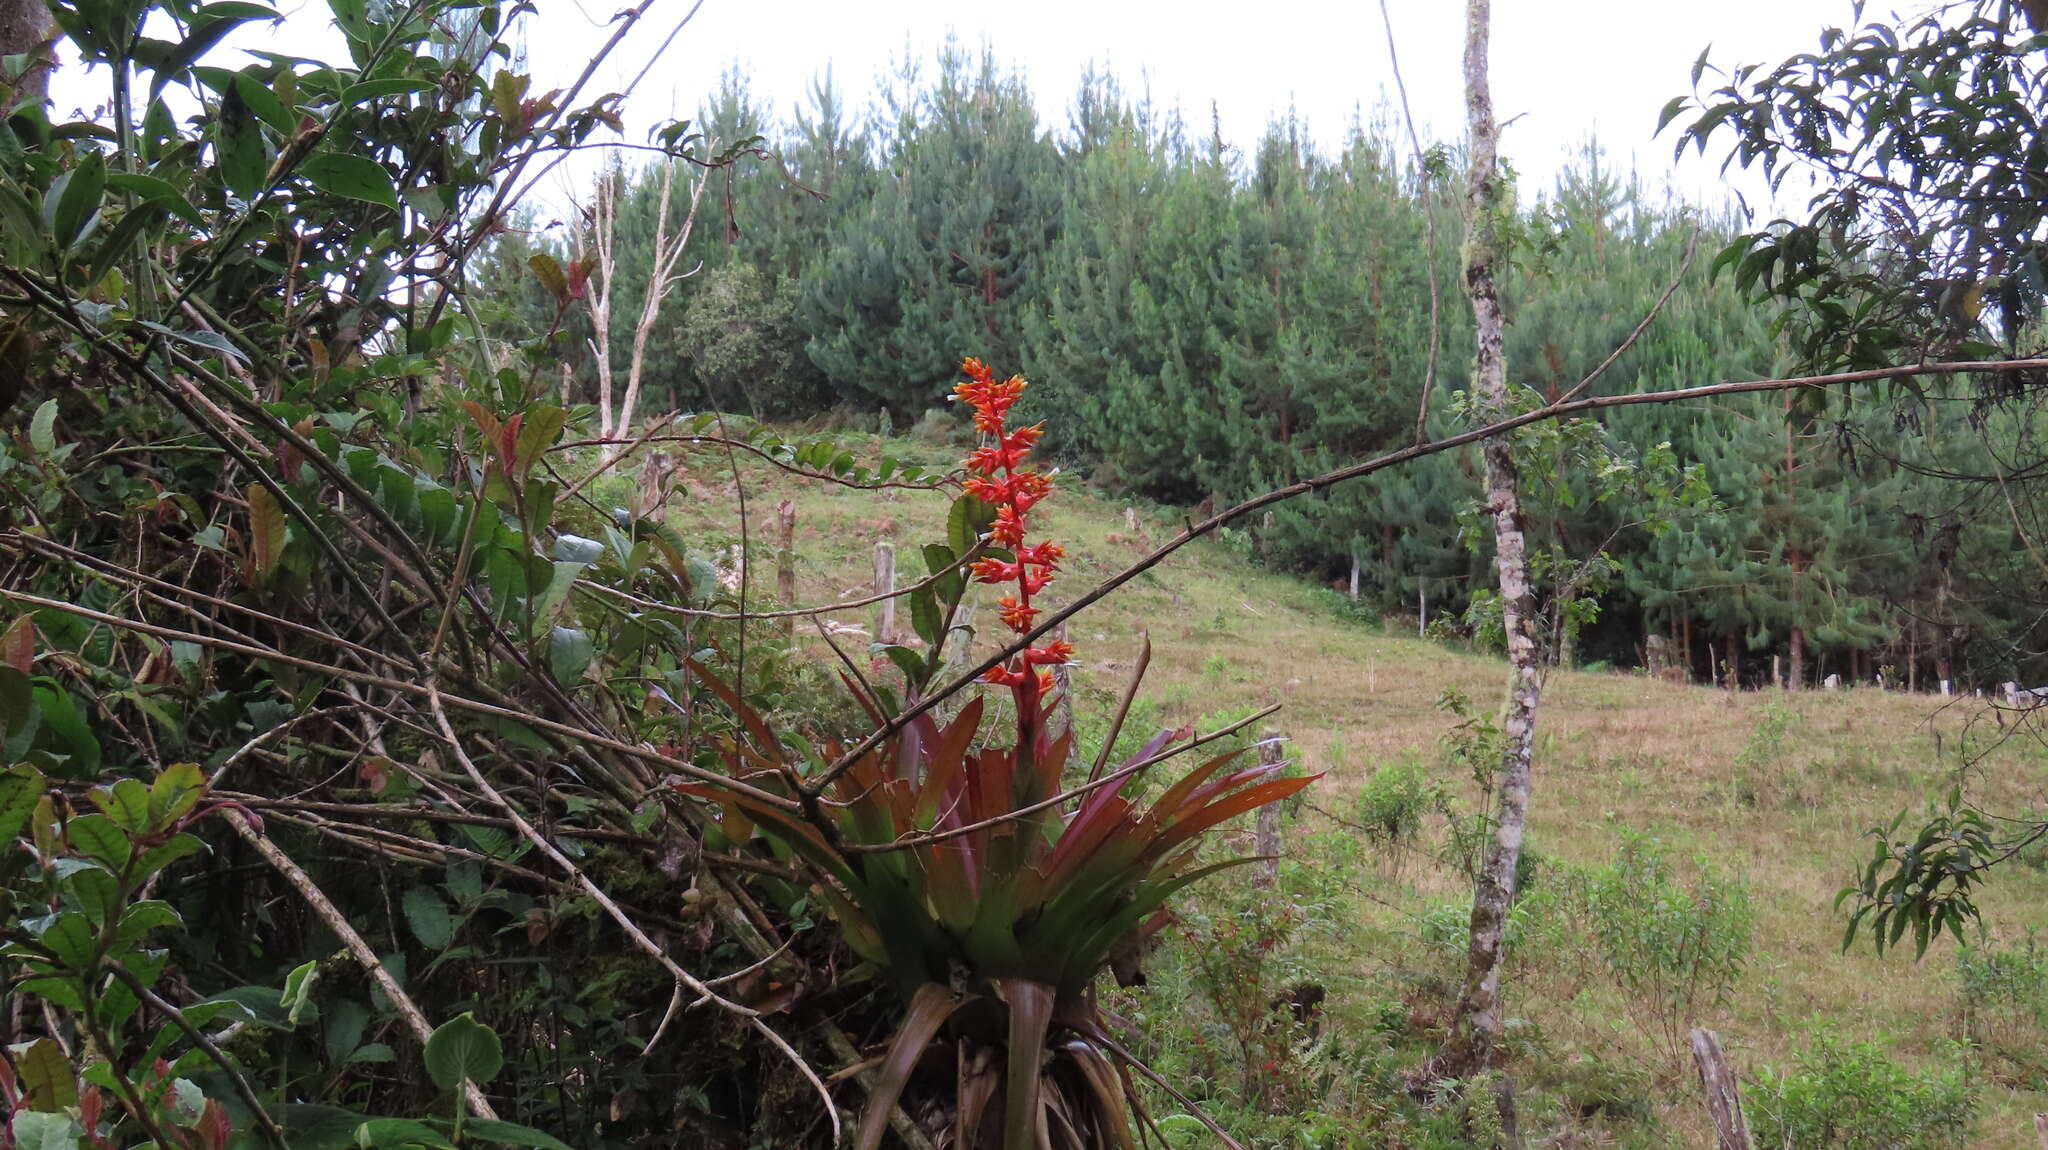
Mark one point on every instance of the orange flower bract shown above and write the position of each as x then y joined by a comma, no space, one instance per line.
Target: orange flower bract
997,476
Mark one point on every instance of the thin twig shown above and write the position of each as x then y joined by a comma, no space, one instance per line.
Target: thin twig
1692,245
365,956
935,483
597,894
1428,233
1123,707
1549,411
271,1130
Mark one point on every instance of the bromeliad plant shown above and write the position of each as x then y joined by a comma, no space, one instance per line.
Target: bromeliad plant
986,895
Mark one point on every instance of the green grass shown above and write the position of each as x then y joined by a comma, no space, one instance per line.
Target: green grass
1615,750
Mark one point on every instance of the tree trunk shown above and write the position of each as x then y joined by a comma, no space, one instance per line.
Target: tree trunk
1796,675
26,31
1474,1028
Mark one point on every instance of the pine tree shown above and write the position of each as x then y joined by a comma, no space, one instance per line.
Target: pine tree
941,256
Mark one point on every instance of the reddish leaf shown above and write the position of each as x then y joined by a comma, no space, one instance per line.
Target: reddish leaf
756,727
214,1127
266,530
1248,799
930,1007
18,644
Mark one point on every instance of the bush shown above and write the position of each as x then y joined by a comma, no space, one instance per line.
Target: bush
2005,1004
1390,806
1758,782
1676,946
1849,1095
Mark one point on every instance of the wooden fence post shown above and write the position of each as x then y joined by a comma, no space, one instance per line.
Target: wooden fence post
885,584
1731,1131
1268,841
785,562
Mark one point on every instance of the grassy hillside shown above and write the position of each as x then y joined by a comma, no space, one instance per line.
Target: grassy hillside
1774,789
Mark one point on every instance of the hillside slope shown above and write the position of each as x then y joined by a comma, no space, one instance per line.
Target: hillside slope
1778,789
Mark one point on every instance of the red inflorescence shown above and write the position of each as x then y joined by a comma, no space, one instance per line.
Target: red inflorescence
996,475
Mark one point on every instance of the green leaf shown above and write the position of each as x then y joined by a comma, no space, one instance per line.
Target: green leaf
925,617
966,520
352,177
71,938
265,104
511,1134
1670,112
46,1074
20,786
26,241
206,31
116,245
138,920
65,731
99,837
463,1049
238,146
907,661
97,891
298,990
369,90
569,654
126,802
428,916
397,1134
45,1131
346,1021
316,1127
176,847
537,432
174,794
74,200
42,428
352,17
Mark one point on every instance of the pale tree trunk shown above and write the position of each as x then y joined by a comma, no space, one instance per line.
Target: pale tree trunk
613,422
1476,1025
667,250
595,244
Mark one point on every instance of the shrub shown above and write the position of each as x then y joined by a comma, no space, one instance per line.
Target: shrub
2005,1004
1390,806
1676,946
1849,1095
1758,782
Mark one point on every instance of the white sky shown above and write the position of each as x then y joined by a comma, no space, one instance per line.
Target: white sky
1568,69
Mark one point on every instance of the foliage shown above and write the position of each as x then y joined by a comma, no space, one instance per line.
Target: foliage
1212,323
1851,1095
2004,991
1272,1018
1675,945
1924,240
1757,779
1393,800
1923,879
